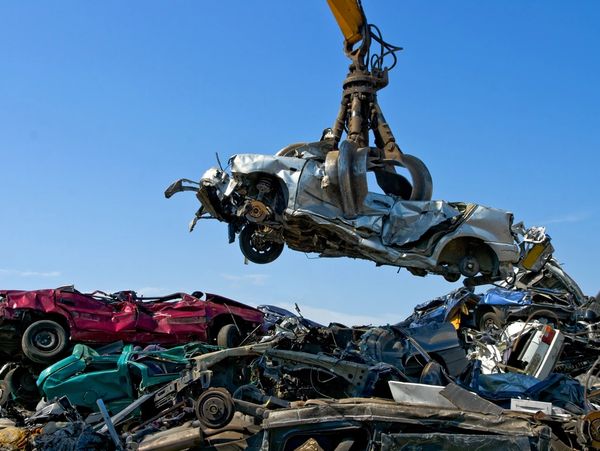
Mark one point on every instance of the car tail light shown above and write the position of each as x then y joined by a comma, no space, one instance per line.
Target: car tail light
549,334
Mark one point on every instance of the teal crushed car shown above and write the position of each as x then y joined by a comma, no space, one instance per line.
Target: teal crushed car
118,374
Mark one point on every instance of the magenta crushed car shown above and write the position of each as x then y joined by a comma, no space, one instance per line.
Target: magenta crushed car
41,324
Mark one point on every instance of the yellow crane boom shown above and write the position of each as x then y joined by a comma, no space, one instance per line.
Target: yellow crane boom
350,18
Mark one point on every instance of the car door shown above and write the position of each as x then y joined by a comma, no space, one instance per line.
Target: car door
91,317
184,318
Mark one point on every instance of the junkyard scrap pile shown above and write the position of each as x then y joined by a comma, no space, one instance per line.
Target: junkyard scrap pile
512,367
508,361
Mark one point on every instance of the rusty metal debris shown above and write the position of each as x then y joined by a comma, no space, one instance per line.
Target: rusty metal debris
513,367
446,376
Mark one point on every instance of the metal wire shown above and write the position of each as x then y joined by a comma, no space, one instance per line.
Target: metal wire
376,61
313,384
529,319
587,380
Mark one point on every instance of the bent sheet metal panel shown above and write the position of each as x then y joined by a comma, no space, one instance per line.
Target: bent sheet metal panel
396,222
288,169
387,412
453,441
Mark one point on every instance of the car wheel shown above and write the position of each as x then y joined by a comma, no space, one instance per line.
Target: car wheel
490,320
256,248
214,408
43,341
468,266
228,336
21,384
452,276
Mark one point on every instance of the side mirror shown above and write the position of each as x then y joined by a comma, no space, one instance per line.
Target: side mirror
178,186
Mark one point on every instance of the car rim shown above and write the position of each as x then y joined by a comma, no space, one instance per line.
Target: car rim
45,340
260,245
214,408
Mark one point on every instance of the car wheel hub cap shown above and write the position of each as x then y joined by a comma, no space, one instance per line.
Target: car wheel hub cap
45,340
213,409
260,245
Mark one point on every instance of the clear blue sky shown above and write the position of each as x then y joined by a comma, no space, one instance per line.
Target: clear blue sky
103,104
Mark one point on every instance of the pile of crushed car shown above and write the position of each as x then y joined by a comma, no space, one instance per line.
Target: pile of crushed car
513,366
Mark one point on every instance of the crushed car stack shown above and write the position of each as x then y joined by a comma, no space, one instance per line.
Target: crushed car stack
514,366
511,367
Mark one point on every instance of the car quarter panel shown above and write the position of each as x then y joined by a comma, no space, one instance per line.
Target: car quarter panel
286,169
185,317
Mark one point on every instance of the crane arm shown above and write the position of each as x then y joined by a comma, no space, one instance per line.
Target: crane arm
360,113
350,18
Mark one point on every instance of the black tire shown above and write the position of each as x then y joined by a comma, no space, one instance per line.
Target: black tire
452,277
490,320
256,249
21,384
43,341
228,336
